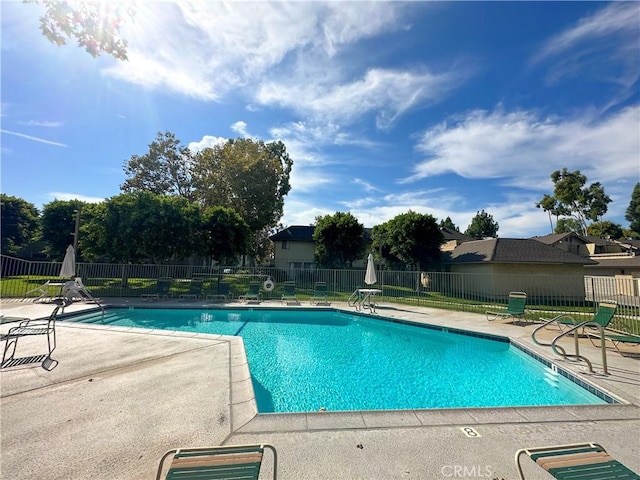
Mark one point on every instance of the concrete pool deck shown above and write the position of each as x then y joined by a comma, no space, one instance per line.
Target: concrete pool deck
121,397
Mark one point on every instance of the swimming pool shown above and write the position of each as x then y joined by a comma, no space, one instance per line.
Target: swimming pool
308,360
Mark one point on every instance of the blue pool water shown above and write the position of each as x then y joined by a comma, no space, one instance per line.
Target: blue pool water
307,360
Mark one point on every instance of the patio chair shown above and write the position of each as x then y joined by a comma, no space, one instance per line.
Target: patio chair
515,307
578,461
604,314
162,290
289,296
28,328
223,292
224,462
615,338
319,294
253,295
195,289
76,290
41,290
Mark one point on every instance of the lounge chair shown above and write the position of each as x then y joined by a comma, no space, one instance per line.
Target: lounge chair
223,293
27,328
162,290
616,338
578,461
515,307
289,296
195,289
225,462
604,314
76,290
42,292
253,295
319,294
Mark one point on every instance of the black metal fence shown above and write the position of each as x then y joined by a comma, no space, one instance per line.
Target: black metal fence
547,294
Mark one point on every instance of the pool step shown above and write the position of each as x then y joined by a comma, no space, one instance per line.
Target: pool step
551,376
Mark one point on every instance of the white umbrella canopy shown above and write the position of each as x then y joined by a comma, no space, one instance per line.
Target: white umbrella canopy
68,269
370,275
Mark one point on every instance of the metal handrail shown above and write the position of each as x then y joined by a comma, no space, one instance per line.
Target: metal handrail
577,355
560,351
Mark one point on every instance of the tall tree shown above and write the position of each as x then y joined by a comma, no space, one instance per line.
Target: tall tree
225,235
632,213
448,223
339,240
482,226
413,238
572,198
166,169
247,175
605,229
19,222
95,24
58,226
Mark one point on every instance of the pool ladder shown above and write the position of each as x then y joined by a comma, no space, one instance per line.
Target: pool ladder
361,301
560,351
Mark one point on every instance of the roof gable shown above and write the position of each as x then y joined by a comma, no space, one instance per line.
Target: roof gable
513,250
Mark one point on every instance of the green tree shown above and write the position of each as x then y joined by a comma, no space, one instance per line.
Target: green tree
19,222
142,226
632,213
412,238
572,198
568,225
58,227
339,240
482,226
247,175
605,229
166,169
225,235
94,24
448,223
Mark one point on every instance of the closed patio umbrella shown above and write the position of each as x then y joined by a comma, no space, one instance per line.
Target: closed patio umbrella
68,269
370,275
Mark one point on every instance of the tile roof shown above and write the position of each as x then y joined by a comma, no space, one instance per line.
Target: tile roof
296,233
304,233
617,262
512,250
451,234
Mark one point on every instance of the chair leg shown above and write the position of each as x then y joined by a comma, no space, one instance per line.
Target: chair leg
11,342
49,363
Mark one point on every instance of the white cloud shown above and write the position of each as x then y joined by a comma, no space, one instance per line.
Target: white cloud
32,138
524,149
615,18
603,47
241,128
205,49
41,123
208,141
65,196
387,93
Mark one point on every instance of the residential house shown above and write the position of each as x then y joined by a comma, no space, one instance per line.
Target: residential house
294,248
611,257
509,264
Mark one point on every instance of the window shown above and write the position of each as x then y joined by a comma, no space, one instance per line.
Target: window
285,244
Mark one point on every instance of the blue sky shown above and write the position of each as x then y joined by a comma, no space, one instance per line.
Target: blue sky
444,108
